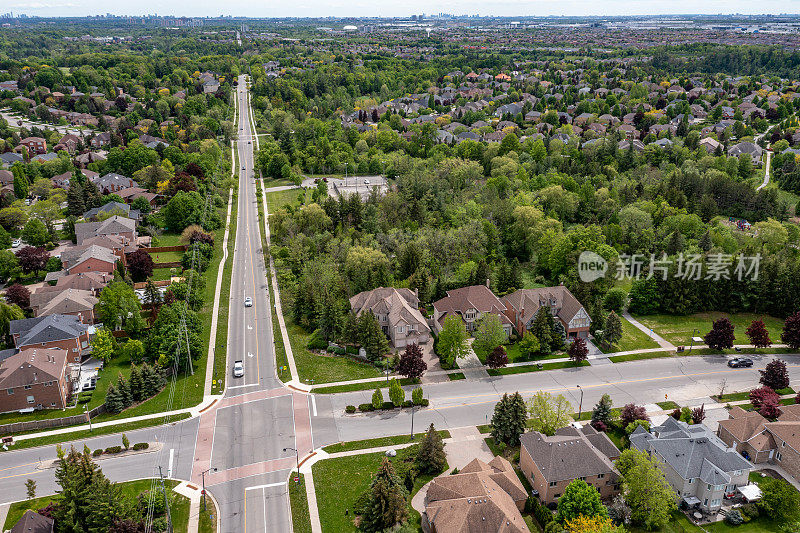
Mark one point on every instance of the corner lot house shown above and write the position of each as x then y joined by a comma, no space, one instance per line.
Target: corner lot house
552,463
697,463
480,498
397,312
470,304
34,377
64,332
762,441
522,306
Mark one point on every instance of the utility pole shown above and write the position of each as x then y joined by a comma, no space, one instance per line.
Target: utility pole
580,405
166,501
412,421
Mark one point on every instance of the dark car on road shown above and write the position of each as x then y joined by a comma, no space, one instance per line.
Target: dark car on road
740,362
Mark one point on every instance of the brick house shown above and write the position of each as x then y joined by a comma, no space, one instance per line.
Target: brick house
761,441
470,304
92,258
397,312
34,377
35,145
73,302
116,225
93,282
552,463
481,497
523,305
63,332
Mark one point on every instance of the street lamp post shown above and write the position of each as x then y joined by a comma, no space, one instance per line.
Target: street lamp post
412,421
88,417
297,458
203,476
580,404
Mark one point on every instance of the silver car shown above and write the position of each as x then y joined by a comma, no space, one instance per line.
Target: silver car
238,369
248,302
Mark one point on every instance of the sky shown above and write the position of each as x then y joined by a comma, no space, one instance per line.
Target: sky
362,8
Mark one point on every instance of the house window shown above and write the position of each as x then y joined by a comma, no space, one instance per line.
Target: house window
52,404
552,484
10,391
583,478
30,399
600,476
400,329
778,456
27,387
557,496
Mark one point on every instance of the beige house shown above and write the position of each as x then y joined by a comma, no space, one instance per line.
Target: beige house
480,498
470,304
552,463
523,305
397,312
762,441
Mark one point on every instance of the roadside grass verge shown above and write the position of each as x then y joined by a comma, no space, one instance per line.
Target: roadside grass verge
639,356
279,199
219,373
369,385
455,376
96,432
301,516
632,339
379,442
669,405
535,368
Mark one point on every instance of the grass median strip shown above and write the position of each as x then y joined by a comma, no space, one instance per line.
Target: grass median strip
535,368
639,356
379,442
301,516
353,387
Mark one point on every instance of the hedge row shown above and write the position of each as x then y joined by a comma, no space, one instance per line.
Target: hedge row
111,450
367,407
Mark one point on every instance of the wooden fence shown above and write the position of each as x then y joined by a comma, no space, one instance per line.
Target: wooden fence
50,423
157,249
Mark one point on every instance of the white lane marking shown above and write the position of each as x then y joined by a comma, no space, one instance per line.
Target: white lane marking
268,485
314,404
249,354
243,386
264,499
171,457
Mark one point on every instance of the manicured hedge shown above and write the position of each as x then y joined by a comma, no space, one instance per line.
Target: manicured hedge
113,449
140,446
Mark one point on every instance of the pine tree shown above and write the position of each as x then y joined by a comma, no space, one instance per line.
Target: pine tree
705,242
350,329
136,385
373,339
75,204
431,458
508,421
613,329
124,389
542,328
387,504
114,400
602,411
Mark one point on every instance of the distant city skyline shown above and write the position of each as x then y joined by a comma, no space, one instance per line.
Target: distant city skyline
383,8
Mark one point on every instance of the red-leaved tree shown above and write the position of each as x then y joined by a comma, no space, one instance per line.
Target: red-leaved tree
578,351
18,294
721,335
32,259
140,265
758,334
775,375
631,412
411,364
770,408
498,358
759,397
791,331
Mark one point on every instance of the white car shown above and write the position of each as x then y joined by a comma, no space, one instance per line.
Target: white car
238,369
16,243
366,181
248,302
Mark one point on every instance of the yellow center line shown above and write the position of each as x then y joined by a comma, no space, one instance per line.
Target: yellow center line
23,474
19,466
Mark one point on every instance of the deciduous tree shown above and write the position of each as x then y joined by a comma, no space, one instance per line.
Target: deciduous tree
580,499
721,335
647,492
140,265
411,364
488,335
775,375
498,358
791,331
18,295
452,343
577,351
758,334
549,413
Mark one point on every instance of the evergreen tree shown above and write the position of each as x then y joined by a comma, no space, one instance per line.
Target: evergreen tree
602,411
508,421
114,400
75,204
431,458
396,393
387,500
136,385
377,398
350,329
372,337
124,389
613,329
20,186
542,328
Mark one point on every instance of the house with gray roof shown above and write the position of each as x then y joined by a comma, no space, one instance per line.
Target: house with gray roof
66,332
747,148
698,464
116,208
9,158
123,227
113,182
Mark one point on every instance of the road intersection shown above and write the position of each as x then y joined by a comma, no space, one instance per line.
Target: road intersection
245,443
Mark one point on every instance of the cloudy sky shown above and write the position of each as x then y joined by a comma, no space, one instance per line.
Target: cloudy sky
359,8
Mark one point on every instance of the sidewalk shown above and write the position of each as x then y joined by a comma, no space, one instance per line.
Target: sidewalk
665,344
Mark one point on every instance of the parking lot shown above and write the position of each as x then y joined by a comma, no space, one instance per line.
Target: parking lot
362,185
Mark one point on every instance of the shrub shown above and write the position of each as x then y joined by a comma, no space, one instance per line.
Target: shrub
377,398
425,402
140,446
350,409
316,341
340,351
600,426
387,405
112,450
750,510
97,453
416,396
408,403
632,412
676,414
352,350
82,400
734,517
366,407
630,428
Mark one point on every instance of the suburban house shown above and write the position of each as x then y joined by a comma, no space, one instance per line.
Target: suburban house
68,142
746,148
92,258
53,331
87,281
552,463
132,193
33,522
115,225
522,306
34,377
35,145
397,312
113,182
762,441
481,497
9,158
74,302
697,463
100,140
470,304
6,177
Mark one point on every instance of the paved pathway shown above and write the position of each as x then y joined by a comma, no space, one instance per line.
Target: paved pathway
471,366
435,373
665,344
766,172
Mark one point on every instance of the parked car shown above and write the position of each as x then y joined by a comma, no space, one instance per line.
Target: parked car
248,302
740,362
238,369
16,243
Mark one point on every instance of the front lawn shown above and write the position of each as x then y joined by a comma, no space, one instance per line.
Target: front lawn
679,330
632,339
340,481
368,385
279,199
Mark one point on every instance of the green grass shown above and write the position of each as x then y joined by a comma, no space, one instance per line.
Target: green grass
279,199
166,257
96,432
208,519
369,385
484,428
379,442
130,490
301,517
514,355
281,359
534,368
679,330
167,239
668,405
745,395
323,368
632,339
163,274
219,374
335,496
639,356
455,376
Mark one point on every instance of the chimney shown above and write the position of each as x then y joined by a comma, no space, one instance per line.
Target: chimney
487,282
